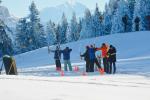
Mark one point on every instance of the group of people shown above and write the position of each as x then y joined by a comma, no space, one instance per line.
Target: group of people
66,57
108,54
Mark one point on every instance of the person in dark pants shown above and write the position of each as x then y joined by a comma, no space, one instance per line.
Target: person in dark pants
57,57
112,59
87,59
66,56
93,59
104,50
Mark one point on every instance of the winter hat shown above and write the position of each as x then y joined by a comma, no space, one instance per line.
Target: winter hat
67,47
111,46
91,46
103,44
57,47
87,47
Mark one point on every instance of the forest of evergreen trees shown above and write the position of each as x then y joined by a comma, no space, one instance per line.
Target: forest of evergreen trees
119,16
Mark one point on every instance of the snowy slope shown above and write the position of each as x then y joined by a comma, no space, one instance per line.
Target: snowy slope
129,45
132,81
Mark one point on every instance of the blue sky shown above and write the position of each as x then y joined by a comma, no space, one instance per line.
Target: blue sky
19,8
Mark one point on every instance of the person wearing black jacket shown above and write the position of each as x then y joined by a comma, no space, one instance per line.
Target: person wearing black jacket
112,59
57,57
87,59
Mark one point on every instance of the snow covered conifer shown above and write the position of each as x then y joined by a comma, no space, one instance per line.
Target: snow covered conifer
5,42
63,29
97,23
74,33
22,36
122,18
113,5
142,13
131,5
36,29
86,31
50,30
107,20
58,34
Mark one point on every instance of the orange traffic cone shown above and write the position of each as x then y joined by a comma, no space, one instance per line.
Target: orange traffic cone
101,70
84,74
62,73
76,68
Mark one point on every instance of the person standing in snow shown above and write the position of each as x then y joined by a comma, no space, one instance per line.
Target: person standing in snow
87,59
57,57
104,50
66,56
93,59
112,58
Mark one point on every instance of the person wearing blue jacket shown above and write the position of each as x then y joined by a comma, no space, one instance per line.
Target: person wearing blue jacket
57,57
66,56
93,59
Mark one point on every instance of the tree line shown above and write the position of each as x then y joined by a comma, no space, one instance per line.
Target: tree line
119,16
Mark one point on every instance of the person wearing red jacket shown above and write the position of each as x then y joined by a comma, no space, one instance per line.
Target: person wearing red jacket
104,50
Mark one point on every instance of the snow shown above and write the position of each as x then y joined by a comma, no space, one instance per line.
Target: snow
120,87
38,80
129,45
8,19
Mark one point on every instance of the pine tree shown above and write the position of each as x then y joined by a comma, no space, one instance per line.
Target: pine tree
107,20
63,29
120,25
97,23
113,5
6,46
74,32
131,5
86,31
80,26
142,11
51,35
58,35
145,14
36,29
22,36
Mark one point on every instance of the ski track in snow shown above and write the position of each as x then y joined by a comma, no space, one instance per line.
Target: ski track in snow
91,81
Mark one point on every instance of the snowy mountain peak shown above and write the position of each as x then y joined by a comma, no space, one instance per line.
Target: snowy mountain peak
72,2
8,19
55,13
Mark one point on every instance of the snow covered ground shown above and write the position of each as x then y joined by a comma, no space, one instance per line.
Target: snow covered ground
117,87
38,79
